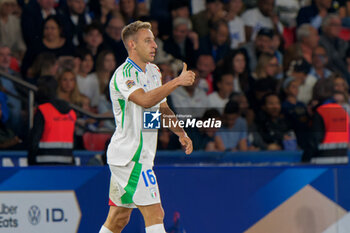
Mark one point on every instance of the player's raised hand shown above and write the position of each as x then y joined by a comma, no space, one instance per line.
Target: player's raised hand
186,142
186,78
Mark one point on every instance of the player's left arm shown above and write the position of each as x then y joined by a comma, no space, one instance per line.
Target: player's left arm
185,141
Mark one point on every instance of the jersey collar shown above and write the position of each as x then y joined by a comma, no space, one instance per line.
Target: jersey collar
134,65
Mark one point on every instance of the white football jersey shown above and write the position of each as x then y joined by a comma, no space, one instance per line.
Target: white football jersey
130,141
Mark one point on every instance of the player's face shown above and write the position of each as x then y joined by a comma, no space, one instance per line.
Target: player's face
68,82
145,45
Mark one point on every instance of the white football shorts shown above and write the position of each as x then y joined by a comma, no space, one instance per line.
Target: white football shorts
132,185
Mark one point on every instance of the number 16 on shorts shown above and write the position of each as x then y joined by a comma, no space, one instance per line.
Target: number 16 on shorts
149,178
150,182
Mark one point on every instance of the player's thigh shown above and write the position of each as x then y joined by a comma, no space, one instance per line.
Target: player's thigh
152,214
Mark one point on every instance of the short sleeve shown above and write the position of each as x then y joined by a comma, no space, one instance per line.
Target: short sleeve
125,83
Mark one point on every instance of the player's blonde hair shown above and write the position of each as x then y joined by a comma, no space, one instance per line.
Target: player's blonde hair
131,29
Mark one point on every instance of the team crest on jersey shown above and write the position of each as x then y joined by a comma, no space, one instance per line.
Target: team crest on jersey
130,83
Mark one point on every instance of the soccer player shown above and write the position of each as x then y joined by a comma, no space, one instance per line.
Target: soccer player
134,87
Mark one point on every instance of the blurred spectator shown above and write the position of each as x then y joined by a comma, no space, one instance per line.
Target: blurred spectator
205,66
236,64
9,88
272,127
234,132
87,82
218,99
315,13
235,23
201,21
113,38
244,109
51,139
218,42
340,83
319,63
335,47
10,30
342,99
102,10
262,16
260,88
8,139
105,66
295,111
329,136
344,12
84,123
183,44
129,10
190,100
307,41
76,18
261,44
68,89
299,70
206,138
45,64
53,41
288,11
177,9
267,68
32,20
93,39
277,47
68,63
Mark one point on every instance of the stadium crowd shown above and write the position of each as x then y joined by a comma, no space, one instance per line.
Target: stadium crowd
256,63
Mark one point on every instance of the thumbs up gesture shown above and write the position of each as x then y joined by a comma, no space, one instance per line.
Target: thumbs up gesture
186,78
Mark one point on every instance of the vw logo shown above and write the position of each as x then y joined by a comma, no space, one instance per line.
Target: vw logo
34,215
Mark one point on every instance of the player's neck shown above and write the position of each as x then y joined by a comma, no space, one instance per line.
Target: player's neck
138,62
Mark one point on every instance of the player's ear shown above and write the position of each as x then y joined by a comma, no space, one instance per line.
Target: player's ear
131,44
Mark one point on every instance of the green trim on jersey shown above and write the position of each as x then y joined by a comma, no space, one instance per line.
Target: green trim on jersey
134,176
137,76
122,107
115,83
126,70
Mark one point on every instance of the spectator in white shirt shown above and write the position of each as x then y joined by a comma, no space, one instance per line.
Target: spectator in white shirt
218,99
263,16
88,83
235,23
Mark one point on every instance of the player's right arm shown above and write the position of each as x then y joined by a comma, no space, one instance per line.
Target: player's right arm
151,98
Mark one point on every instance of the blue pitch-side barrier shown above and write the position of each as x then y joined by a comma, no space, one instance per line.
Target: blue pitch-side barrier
18,158
217,198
